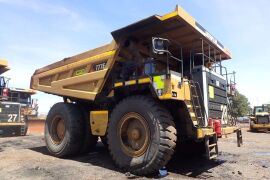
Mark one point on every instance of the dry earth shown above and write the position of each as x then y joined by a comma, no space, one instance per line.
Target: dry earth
27,158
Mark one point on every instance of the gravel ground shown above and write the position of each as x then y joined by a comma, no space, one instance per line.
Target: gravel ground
27,158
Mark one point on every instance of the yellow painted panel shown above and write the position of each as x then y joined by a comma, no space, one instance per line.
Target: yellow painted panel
93,59
131,82
228,130
211,92
202,132
262,126
168,16
165,96
192,114
189,106
159,82
144,80
118,84
99,122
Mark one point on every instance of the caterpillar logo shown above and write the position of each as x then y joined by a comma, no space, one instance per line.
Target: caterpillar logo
99,67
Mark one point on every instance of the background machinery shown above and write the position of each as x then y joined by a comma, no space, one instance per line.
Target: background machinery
154,87
15,106
260,119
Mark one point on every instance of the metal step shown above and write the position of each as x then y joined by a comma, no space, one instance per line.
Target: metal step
213,156
189,106
212,145
211,149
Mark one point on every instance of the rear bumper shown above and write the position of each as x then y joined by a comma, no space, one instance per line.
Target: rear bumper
260,126
11,129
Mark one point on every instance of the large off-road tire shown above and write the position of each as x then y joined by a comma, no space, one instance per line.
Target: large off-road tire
64,130
141,135
89,140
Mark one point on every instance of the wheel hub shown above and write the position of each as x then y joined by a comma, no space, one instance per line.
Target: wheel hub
58,129
134,134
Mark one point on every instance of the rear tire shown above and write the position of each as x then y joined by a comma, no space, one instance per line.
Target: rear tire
64,130
135,148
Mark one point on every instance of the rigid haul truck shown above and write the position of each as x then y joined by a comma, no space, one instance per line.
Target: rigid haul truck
15,106
154,87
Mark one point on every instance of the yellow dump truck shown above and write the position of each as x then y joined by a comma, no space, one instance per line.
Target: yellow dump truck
15,106
260,119
154,87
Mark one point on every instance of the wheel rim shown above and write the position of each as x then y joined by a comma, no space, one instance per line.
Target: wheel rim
58,129
134,134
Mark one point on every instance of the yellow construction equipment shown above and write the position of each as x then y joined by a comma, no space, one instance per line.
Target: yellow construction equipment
260,119
15,106
153,87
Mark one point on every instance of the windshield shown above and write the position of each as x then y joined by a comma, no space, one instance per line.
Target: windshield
20,97
25,98
261,109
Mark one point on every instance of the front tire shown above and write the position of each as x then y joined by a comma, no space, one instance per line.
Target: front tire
141,135
64,130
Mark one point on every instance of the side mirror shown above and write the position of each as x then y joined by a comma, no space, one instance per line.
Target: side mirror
160,45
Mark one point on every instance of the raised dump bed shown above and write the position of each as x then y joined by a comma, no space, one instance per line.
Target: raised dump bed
81,76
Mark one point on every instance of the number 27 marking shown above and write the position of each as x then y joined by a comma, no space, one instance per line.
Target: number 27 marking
12,117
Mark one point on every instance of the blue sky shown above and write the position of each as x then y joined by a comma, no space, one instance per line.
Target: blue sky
34,33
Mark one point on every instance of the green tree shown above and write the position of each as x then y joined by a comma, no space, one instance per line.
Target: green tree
240,105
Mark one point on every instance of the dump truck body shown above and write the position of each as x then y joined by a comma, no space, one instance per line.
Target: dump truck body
141,92
81,76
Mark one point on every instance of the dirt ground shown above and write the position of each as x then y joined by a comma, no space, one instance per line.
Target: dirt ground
27,158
